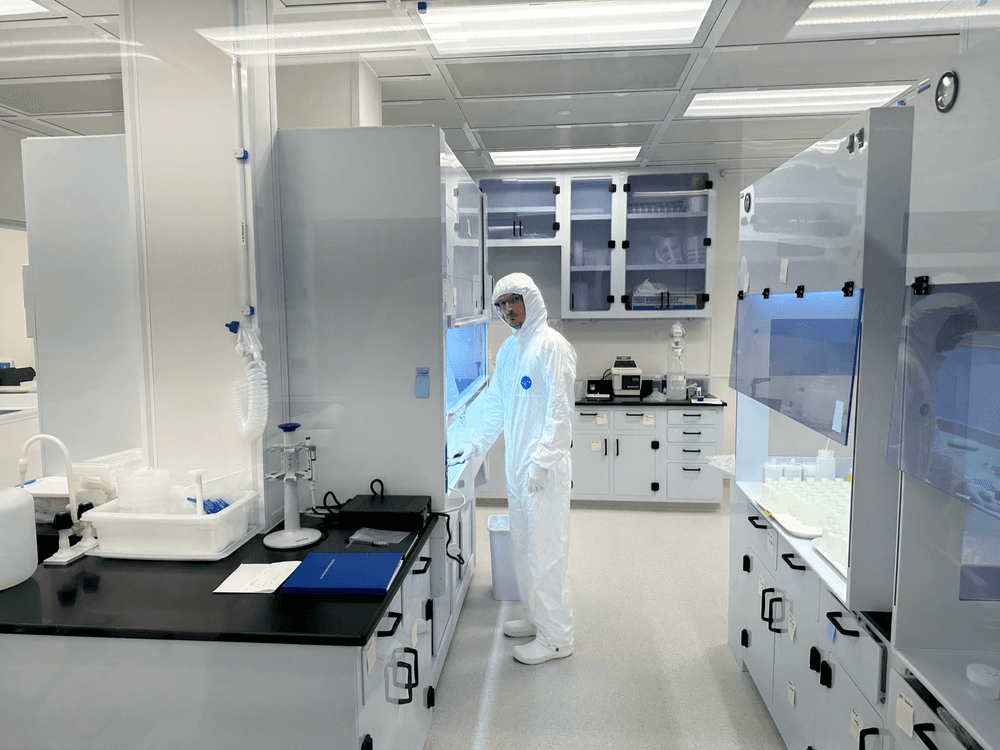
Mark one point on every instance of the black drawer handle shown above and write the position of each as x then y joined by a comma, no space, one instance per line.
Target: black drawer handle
787,557
427,566
416,666
690,450
693,433
763,604
770,615
685,468
605,446
588,413
815,659
753,522
921,731
826,674
398,617
407,685
864,734
630,414
696,416
834,617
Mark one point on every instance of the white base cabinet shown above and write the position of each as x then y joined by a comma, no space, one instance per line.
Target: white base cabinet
646,452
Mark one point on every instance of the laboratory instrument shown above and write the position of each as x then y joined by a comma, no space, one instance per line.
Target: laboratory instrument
598,389
390,512
293,535
676,372
626,377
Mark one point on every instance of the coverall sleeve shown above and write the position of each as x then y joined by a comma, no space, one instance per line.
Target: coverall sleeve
557,431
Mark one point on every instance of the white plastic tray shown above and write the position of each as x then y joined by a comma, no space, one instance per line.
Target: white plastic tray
818,546
792,525
207,557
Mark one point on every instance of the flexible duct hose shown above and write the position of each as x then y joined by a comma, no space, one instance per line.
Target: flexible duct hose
250,400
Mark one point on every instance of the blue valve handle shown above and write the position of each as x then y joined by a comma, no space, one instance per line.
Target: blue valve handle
289,426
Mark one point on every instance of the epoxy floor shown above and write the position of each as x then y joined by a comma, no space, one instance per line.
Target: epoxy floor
651,667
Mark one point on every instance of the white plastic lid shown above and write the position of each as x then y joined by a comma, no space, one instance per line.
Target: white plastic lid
985,677
824,453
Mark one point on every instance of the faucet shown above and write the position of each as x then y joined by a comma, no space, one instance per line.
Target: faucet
23,468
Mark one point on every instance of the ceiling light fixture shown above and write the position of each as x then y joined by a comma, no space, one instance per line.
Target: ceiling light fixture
816,101
845,12
20,8
563,25
560,156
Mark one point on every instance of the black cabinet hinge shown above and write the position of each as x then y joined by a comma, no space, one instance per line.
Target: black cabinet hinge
555,190
745,638
708,184
627,188
555,226
611,299
766,293
746,563
429,609
611,244
655,486
707,242
655,445
826,674
612,188
800,291
848,289
625,244
431,698
367,743
627,299
815,659
921,285
740,295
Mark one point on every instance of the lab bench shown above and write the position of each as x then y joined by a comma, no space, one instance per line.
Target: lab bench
113,653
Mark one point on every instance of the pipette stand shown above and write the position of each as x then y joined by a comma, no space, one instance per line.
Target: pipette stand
293,535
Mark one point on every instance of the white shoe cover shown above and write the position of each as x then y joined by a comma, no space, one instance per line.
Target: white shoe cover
538,653
518,629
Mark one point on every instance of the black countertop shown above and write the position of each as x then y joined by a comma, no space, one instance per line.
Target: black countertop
111,598
619,401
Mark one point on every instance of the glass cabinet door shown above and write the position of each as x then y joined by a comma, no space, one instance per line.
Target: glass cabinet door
666,251
520,208
590,244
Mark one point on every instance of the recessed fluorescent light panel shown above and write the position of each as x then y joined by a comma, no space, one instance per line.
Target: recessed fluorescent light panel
563,25
840,17
825,101
20,8
561,156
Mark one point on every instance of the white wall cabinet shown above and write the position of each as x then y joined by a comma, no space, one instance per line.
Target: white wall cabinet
630,452
632,244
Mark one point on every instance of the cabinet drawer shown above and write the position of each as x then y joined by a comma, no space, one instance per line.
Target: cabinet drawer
591,419
692,416
910,717
635,419
800,581
692,454
692,434
860,654
691,481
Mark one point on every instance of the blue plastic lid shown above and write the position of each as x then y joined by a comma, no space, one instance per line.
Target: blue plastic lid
289,426
234,326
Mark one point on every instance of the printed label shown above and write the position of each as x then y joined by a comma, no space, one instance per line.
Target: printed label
792,625
595,445
648,420
770,541
791,693
904,714
856,726
370,654
602,418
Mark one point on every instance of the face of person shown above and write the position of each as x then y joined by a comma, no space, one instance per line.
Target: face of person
954,328
511,308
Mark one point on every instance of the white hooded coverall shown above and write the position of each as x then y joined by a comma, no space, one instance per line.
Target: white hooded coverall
529,399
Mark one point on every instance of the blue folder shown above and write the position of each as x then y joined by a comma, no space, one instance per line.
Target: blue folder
362,573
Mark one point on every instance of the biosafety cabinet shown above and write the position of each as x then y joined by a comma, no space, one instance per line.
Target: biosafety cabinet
865,523
384,284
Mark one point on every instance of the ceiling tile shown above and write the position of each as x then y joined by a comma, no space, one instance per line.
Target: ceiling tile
819,63
776,128
470,160
419,113
63,96
457,140
732,150
56,51
567,74
761,22
92,7
410,89
399,63
599,108
110,123
556,137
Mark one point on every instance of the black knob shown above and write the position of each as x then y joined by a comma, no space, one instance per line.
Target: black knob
83,508
62,521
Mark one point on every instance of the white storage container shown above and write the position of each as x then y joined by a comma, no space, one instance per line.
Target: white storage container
502,560
174,537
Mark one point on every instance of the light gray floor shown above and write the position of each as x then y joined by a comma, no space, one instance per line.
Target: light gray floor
651,667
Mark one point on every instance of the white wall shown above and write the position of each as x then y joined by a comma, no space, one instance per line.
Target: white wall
329,95
11,189
14,343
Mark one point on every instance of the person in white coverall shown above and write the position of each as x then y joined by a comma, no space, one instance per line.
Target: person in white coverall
529,400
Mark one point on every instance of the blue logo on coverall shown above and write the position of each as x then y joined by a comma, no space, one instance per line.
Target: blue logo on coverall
526,382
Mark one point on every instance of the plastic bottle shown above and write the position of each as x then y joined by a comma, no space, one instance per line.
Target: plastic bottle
826,464
18,549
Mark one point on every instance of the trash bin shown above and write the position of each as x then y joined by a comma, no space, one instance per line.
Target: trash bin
502,559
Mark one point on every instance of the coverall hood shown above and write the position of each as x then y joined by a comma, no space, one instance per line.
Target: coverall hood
535,314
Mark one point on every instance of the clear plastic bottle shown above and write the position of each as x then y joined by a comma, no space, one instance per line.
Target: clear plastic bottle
18,550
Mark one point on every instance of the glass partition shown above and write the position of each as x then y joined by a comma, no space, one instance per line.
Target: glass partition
467,365
946,413
520,208
798,356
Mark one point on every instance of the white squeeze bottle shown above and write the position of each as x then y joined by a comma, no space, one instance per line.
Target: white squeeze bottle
18,550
